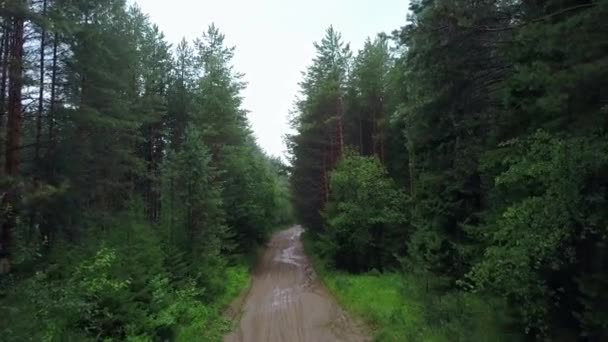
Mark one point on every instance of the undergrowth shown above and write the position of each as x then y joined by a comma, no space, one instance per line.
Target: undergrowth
399,307
120,285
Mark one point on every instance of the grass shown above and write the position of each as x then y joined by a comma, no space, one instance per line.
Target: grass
237,279
398,307
378,301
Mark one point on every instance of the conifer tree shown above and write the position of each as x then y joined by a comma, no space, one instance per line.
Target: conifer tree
319,141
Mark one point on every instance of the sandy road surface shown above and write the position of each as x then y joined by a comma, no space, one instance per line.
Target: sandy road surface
287,302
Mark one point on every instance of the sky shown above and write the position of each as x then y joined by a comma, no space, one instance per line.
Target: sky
274,44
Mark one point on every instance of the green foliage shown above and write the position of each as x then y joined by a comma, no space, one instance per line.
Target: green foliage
123,292
193,198
144,188
365,221
366,114
548,213
319,141
496,130
134,218
400,307
248,191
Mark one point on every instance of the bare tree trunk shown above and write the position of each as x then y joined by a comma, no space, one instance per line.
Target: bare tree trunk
380,127
51,119
3,79
411,167
13,140
326,170
40,94
340,128
361,135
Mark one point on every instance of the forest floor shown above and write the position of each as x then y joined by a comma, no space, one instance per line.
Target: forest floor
287,301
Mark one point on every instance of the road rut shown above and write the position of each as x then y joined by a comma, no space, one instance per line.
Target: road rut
287,302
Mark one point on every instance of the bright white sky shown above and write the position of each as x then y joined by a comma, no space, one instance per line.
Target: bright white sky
274,43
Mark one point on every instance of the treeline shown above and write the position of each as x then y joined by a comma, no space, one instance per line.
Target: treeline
132,188
469,149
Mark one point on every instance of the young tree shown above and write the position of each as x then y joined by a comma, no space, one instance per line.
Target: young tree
193,199
365,220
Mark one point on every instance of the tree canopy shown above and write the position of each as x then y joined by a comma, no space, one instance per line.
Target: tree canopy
489,118
133,191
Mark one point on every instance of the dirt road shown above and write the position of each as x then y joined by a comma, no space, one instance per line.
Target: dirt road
287,303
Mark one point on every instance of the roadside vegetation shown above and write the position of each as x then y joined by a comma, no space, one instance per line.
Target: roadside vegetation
452,175
133,194
396,304
397,307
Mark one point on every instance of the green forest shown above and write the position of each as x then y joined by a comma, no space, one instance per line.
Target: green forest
451,174
455,171
134,196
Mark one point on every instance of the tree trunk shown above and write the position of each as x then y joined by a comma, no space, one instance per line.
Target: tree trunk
411,171
340,128
380,127
13,139
361,136
4,78
40,94
51,119
325,188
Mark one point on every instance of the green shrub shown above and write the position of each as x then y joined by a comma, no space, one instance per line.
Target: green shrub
115,285
400,307
365,220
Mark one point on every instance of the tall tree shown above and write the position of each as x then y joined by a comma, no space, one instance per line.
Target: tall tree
181,92
319,141
367,96
454,70
18,11
41,89
100,115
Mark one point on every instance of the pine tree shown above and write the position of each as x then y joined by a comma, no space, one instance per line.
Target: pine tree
102,116
194,200
368,86
319,141
181,93
18,11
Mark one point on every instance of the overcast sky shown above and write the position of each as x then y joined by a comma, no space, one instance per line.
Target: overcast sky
273,40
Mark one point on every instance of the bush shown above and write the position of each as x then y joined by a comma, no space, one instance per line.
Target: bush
115,285
365,216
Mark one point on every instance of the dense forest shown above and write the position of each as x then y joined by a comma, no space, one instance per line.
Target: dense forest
468,152
452,174
133,194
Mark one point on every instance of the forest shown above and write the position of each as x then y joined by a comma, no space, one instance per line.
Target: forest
133,193
453,174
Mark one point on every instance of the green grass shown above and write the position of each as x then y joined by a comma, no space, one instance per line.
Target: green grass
237,279
398,307
378,301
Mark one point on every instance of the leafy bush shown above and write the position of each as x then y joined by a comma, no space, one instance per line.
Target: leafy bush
116,286
547,231
365,217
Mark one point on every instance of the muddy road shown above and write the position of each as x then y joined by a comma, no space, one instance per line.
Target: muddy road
286,301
